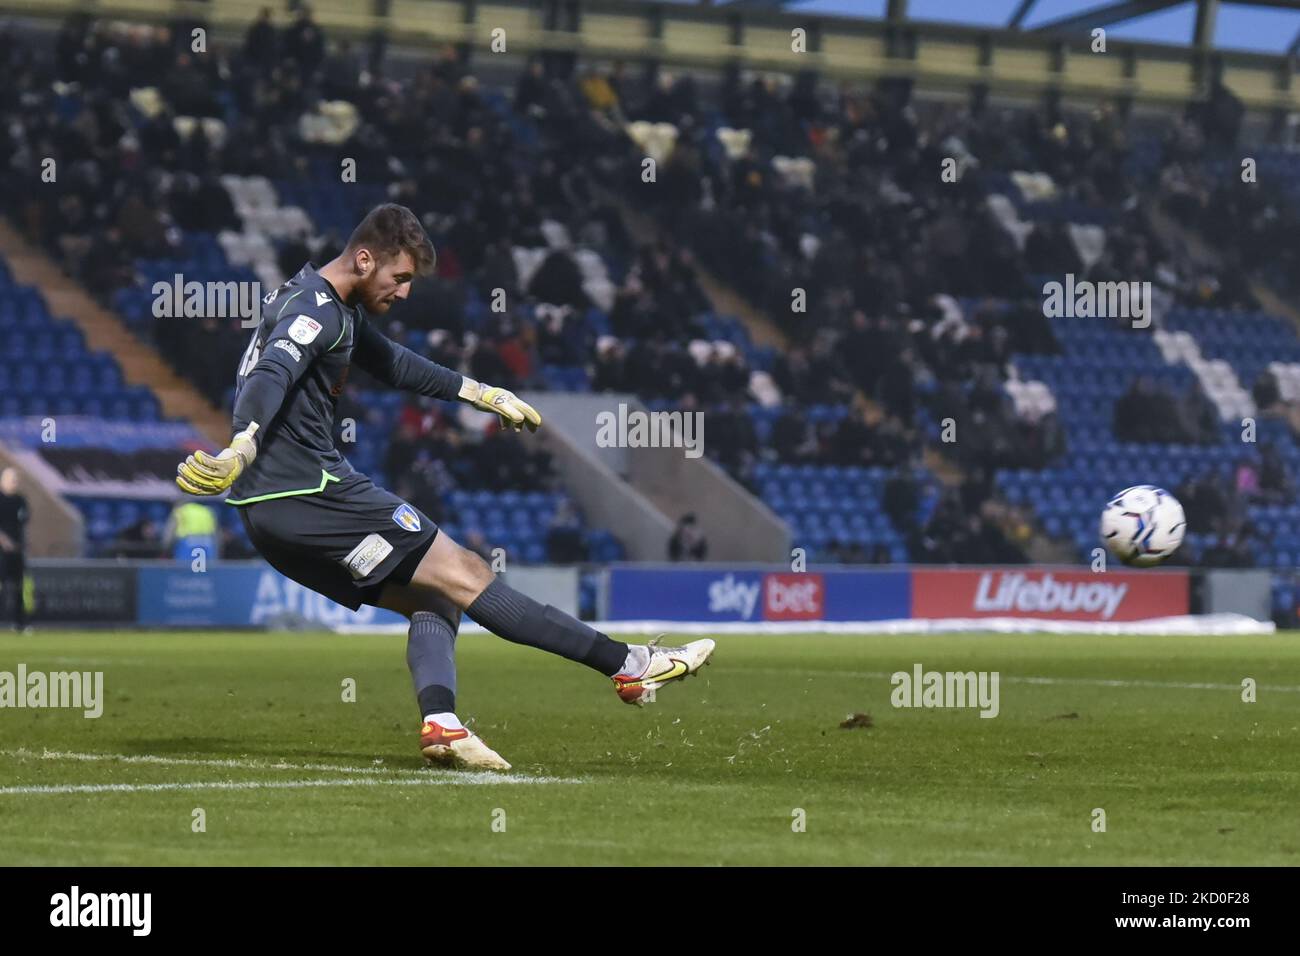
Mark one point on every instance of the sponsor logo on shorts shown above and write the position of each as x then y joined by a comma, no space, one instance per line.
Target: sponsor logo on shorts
304,330
288,347
406,517
365,557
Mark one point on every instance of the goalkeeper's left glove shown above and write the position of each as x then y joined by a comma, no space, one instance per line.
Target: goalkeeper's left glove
204,474
514,411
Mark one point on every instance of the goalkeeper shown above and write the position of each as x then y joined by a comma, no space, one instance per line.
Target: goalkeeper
318,521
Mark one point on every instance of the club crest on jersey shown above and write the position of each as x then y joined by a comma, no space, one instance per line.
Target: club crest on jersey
304,329
406,517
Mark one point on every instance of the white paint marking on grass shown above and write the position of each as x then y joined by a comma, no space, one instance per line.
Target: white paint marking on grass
406,773
1080,681
84,661
1171,685
456,779
207,762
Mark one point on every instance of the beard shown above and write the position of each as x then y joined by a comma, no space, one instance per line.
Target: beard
373,300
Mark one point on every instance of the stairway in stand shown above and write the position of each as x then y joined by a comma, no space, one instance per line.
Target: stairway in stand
140,362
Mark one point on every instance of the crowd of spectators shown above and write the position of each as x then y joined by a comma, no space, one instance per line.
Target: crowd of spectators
897,266
431,453
1243,204
126,191
1217,506
891,256
964,524
146,539
1151,412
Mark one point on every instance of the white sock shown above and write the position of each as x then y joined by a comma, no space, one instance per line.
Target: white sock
447,721
638,659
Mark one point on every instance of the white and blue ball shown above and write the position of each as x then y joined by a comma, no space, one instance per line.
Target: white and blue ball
1143,525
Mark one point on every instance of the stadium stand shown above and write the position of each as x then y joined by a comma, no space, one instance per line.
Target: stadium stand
922,305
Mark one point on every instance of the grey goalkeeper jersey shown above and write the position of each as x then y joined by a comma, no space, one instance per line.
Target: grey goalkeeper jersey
290,378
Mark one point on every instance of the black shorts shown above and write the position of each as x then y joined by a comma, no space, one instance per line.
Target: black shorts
345,542
12,565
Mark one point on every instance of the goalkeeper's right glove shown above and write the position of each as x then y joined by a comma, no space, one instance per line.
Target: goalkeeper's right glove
203,474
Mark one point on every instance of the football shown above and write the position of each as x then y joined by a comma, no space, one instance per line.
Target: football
1143,525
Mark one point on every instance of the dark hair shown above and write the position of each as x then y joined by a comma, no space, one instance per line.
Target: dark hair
391,229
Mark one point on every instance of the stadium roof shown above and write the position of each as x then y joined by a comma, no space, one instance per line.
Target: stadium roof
1261,26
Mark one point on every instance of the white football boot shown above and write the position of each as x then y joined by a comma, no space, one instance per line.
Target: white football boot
667,664
458,748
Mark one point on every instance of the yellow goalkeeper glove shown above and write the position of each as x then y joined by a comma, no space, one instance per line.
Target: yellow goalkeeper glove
204,474
515,412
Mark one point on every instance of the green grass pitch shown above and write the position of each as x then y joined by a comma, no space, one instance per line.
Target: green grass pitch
252,729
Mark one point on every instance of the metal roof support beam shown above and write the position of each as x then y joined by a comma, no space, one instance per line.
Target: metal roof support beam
1022,11
1104,16
748,4
1207,11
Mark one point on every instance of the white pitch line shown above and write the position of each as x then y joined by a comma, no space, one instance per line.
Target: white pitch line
473,779
1007,679
206,762
412,775
1171,685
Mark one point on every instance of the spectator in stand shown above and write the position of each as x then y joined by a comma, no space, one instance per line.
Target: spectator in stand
687,542
850,553
342,74
1147,412
933,543
261,41
600,96
1201,418
1265,391
402,448
793,439
564,540
235,547
854,440
1204,503
303,42
731,437
901,499
139,540
14,515
1231,550
1246,480
191,532
1274,482
502,461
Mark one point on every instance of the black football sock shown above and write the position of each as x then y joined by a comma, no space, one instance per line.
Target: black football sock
518,618
431,656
